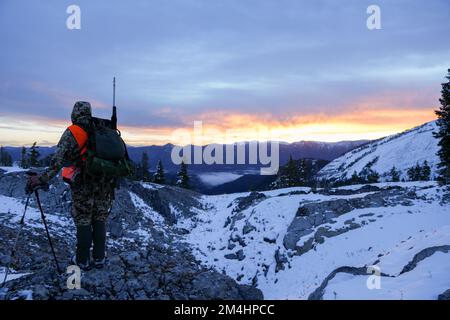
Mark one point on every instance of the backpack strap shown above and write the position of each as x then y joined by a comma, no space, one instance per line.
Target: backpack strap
81,137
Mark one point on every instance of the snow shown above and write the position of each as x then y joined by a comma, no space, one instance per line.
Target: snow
151,186
425,282
418,144
11,211
11,275
12,169
395,234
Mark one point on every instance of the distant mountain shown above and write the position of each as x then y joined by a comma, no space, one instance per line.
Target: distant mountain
303,149
401,150
247,182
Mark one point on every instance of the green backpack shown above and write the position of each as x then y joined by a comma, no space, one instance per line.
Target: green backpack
107,154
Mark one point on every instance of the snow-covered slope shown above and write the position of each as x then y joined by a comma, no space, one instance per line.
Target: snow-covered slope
293,243
296,244
402,150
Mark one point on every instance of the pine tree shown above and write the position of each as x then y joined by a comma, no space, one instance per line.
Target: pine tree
355,178
144,167
302,172
5,158
425,172
443,133
24,160
33,156
415,172
411,174
182,177
367,175
373,176
159,177
291,175
395,174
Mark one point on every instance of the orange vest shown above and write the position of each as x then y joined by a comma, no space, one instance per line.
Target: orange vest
81,136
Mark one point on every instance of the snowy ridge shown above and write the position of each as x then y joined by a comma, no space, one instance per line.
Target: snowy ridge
390,224
403,150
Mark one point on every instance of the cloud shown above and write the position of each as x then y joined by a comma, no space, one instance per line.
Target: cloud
272,61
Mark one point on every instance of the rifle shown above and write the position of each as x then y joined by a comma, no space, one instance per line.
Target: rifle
114,114
107,122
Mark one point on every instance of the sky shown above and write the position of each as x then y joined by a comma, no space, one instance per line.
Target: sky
279,70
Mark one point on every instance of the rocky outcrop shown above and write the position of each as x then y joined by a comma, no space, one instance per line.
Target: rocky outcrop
311,216
362,271
444,295
425,253
155,272
146,260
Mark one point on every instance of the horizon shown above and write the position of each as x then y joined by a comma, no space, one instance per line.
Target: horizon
291,71
234,143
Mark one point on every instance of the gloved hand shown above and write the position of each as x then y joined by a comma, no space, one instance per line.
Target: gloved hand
35,181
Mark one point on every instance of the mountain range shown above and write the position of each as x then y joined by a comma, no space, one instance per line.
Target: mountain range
403,150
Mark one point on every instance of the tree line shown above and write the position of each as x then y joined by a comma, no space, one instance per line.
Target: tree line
29,158
142,173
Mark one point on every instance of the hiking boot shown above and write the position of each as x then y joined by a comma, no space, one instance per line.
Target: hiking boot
84,241
99,263
83,266
99,239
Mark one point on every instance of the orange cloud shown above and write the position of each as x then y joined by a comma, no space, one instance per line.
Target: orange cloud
358,123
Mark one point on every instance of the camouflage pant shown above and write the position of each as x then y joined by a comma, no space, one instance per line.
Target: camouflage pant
90,203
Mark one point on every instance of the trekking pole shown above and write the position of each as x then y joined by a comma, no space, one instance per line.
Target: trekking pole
13,250
46,229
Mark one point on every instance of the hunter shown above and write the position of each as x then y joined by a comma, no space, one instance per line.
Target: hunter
91,196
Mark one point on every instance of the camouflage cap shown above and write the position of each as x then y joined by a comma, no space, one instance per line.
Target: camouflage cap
81,113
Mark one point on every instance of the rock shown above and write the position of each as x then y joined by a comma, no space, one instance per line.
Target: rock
115,229
423,254
445,295
248,228
240,255
245,202
280,260
270,240
80,292
40,292
162,267
250,293
230,256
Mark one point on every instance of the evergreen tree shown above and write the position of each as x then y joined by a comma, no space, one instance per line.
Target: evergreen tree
443,133
159,177
291,174
33,156
144,167
5,158
395,174
367,175
302,173
355,178
24,159
414,173
425,172
182,177
373,176
411,174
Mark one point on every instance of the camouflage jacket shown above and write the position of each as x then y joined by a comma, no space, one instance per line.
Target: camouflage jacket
68,153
